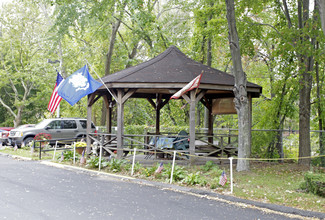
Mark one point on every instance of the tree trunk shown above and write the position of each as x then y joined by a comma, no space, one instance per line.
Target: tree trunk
115,27
321,7
209,61
320,117
240,92
305,67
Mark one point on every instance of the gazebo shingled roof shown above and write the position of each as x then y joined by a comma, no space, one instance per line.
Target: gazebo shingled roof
172,70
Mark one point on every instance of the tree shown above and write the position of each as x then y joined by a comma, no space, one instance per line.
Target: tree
241,99
22,52
306,63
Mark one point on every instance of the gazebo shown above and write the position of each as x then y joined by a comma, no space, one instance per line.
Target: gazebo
157,80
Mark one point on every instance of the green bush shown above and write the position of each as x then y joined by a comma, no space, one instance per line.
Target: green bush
116,165
214,183
93,162
208,166
137,167
314,183
68,156
178,174
194,179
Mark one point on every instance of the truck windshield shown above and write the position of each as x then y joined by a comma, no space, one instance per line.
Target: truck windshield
42,124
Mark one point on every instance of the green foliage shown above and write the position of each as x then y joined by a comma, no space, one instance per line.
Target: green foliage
291,146
314,183
93,162
208,166
194,179
116,165
68,156
149,171
178,174
137,167
317,162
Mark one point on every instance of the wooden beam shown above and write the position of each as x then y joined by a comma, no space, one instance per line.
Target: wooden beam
200,95
113,92
91,98
210,121
152,103
164,103
108,101
192,125
89,111
128,95
120,124
158,107
187,99
96,99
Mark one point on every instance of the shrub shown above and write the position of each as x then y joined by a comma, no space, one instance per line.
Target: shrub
314,183
179,172
147,171
208,166
68,156
116,165
194,179
42,137
214,183
93,162
137,167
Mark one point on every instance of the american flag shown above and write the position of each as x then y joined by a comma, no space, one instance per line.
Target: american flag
62,157
83,159
160,168
55,98
195,83
223,179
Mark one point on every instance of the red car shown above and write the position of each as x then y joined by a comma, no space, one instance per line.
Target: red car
4,133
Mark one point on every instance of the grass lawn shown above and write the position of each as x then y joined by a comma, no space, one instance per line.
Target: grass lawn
278,184
267,182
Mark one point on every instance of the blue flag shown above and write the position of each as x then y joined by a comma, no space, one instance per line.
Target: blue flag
78,85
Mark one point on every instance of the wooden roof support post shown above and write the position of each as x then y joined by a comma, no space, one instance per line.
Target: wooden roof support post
193,101
120,122
89,111
250,106
158,102
121,98
208,105
109,105
210,122
192,125
158,106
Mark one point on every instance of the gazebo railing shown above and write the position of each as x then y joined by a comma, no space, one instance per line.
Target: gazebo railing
163,145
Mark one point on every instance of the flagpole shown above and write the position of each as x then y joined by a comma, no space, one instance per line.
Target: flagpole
58,111
101,80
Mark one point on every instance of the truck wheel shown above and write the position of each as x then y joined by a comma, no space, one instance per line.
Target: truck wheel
28,140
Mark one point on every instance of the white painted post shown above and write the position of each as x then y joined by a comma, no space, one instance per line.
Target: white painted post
100,155
56,144
171,175
74,152
135,150
231,182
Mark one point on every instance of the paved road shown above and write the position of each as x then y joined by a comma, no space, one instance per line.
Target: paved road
31,190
